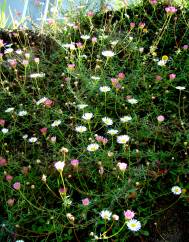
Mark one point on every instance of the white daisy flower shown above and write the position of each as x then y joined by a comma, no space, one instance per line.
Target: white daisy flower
42,100
125,119
104,89
22,113
180,88
107,121
108,53
8,51
82,106
93,147
80,129
112,131
59,165
70,46
134,225
87,116
162,63
176,190
56,123
123,139
105,214
132,101
8,110
32,139
4,130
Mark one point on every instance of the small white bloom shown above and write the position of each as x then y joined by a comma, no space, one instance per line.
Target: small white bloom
123,139
20,240
125,119
162,63
141,49
108,53
56,123
4,130
180,88
70,46
42,100
59,165
8,51
19,51
104,89
93,147
105,214
132,101
114,42
8,110
85,37
122,166
112,131
87,116
44,178
22,113
37,75
107,121
80,129
32,139
82,106
134,225
25,136
176,190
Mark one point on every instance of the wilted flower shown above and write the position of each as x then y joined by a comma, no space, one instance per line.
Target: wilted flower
176,190
125,119
108,53
10,202
129,214
56,123
105,214
80,129
107,121
32,139
93,147
87,116
134,225
104,89
123,139
112,131
70,217
115,217
101,139
22,113
59,165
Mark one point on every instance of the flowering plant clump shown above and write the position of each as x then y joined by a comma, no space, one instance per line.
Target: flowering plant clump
94,131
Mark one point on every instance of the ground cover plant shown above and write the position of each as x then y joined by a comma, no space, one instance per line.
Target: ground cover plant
94,126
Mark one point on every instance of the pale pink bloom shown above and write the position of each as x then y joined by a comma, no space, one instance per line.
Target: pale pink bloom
43,131
25,62
9,178
122,166
51,21
79,45
2,122
71,66
36,60
75,163
185,47
53,139
172,76
170,10
132,24
85,201
10,202
121,75
94,40
12,63
16,185
129,214
3,161
90,14
153,2
160,118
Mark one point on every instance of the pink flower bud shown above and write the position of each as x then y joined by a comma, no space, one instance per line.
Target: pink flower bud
172,76
121,75
132,25
129,214
85,201
3,161
2,122
8,178
16,186
94,40
75,163
160,118
90,14
48,103
43,131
